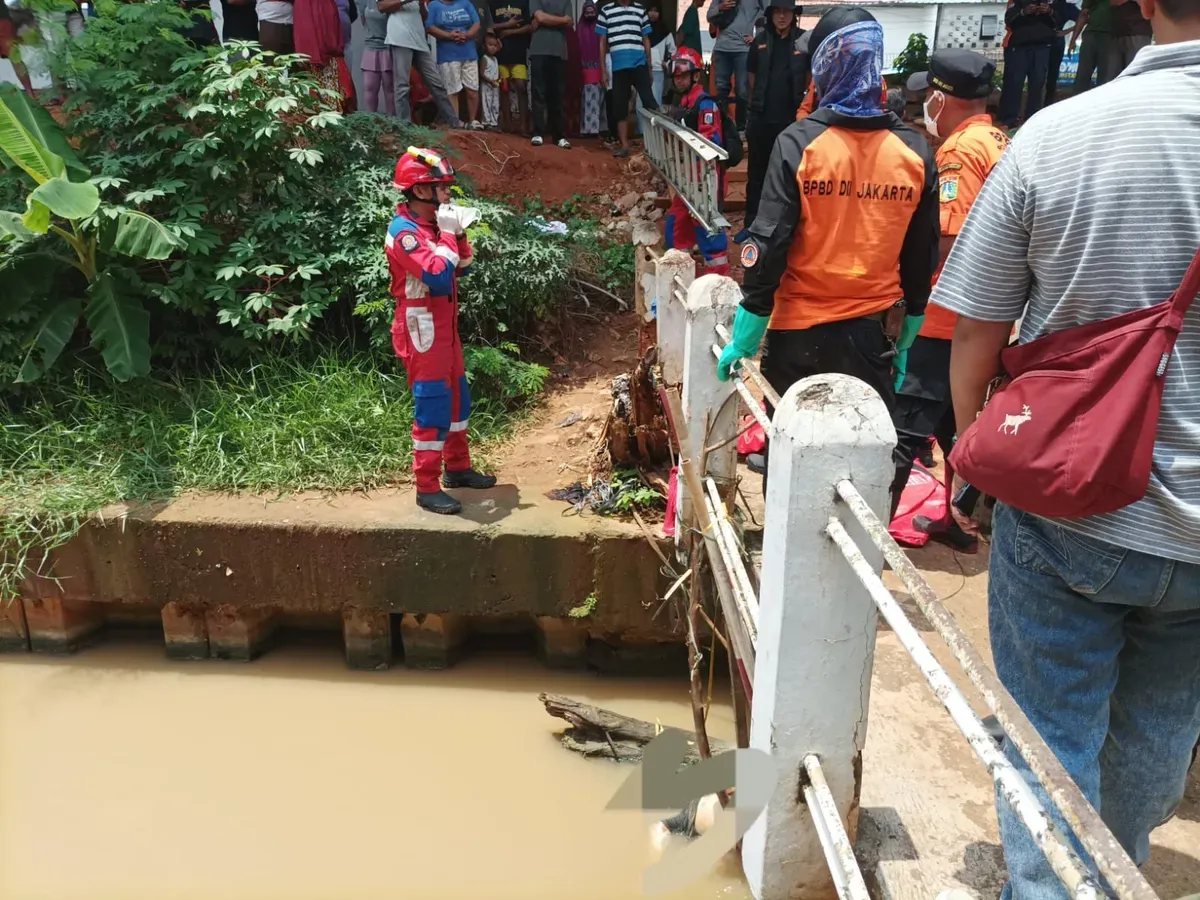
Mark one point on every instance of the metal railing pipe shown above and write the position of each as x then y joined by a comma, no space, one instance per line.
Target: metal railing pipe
1122,875
839,851
1067,865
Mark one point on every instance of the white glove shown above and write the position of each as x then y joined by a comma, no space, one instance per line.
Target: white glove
448,219
467,216
456,219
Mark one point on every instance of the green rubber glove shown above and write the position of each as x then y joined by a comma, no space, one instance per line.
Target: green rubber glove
908,334
748,330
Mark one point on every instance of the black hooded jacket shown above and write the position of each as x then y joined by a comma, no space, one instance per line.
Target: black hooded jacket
766,42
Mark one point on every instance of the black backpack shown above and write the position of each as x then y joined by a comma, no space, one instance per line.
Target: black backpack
729,132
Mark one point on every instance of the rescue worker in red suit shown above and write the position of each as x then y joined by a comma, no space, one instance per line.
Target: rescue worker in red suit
427,249
683,232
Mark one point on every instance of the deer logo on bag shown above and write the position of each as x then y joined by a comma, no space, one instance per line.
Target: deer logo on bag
1011,423
1099,388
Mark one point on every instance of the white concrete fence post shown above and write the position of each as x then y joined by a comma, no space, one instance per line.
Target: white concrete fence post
816,627
671,314
709,408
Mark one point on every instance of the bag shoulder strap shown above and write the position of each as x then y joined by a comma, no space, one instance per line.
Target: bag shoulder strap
1188,288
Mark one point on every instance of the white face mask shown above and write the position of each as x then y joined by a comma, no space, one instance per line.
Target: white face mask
931,121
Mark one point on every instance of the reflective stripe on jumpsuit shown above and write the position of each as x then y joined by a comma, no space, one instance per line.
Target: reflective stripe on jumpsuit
425,338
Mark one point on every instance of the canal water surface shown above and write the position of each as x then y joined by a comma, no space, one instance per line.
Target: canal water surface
126,776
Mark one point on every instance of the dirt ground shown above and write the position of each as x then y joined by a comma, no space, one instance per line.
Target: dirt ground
506,165
553,447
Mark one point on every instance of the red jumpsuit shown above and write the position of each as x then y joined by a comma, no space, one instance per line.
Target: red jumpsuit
423,262
683,232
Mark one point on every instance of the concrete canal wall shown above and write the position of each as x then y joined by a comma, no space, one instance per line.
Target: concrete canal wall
222,574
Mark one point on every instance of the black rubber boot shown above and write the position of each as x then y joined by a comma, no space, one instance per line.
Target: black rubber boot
439,502
757,463
468,478
948,533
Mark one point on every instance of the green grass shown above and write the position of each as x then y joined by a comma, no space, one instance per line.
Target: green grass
330,421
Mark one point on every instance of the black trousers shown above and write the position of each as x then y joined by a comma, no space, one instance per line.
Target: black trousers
760,138
548,78
624,83
1058,49
924,408
855,347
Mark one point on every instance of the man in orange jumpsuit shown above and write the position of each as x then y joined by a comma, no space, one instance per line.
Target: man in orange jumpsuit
959,84
426,249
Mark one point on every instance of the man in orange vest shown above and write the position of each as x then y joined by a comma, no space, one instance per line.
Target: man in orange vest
959,84
839,260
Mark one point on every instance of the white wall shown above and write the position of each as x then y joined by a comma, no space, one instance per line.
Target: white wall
959,27
900,23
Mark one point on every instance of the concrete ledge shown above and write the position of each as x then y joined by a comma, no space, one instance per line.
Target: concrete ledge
239,632
185,631
14,634
368,637
562,643
221,572
60,626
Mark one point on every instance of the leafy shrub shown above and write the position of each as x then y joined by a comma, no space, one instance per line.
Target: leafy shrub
280,203
61,211
632,493
243,159
913,58
609,265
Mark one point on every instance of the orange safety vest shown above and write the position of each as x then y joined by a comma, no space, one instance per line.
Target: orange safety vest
964,161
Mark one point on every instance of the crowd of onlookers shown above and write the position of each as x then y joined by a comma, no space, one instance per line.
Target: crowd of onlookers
536,67
531,67
548,69
1037,39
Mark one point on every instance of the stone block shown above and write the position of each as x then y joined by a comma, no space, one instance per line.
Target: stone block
60,626
185,631
239,633
562,643
432,640
368,637
14,634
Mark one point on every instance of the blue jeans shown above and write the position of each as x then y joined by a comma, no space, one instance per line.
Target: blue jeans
1028,62
726,64
1100,647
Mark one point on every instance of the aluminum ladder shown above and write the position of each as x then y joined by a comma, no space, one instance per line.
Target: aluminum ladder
688,162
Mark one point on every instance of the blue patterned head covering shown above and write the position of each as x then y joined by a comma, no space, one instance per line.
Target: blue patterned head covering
848,70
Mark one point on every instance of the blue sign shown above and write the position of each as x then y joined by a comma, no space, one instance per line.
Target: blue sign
1070,65
1068,69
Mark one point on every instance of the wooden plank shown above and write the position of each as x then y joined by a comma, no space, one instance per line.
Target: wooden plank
739,638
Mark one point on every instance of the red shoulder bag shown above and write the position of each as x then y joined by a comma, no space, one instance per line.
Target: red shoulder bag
1070,430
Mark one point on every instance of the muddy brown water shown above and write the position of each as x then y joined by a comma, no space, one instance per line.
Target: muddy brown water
124,775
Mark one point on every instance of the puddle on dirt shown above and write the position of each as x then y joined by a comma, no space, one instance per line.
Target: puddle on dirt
124,775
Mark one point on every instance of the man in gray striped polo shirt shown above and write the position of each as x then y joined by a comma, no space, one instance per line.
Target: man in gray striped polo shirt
1093,211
